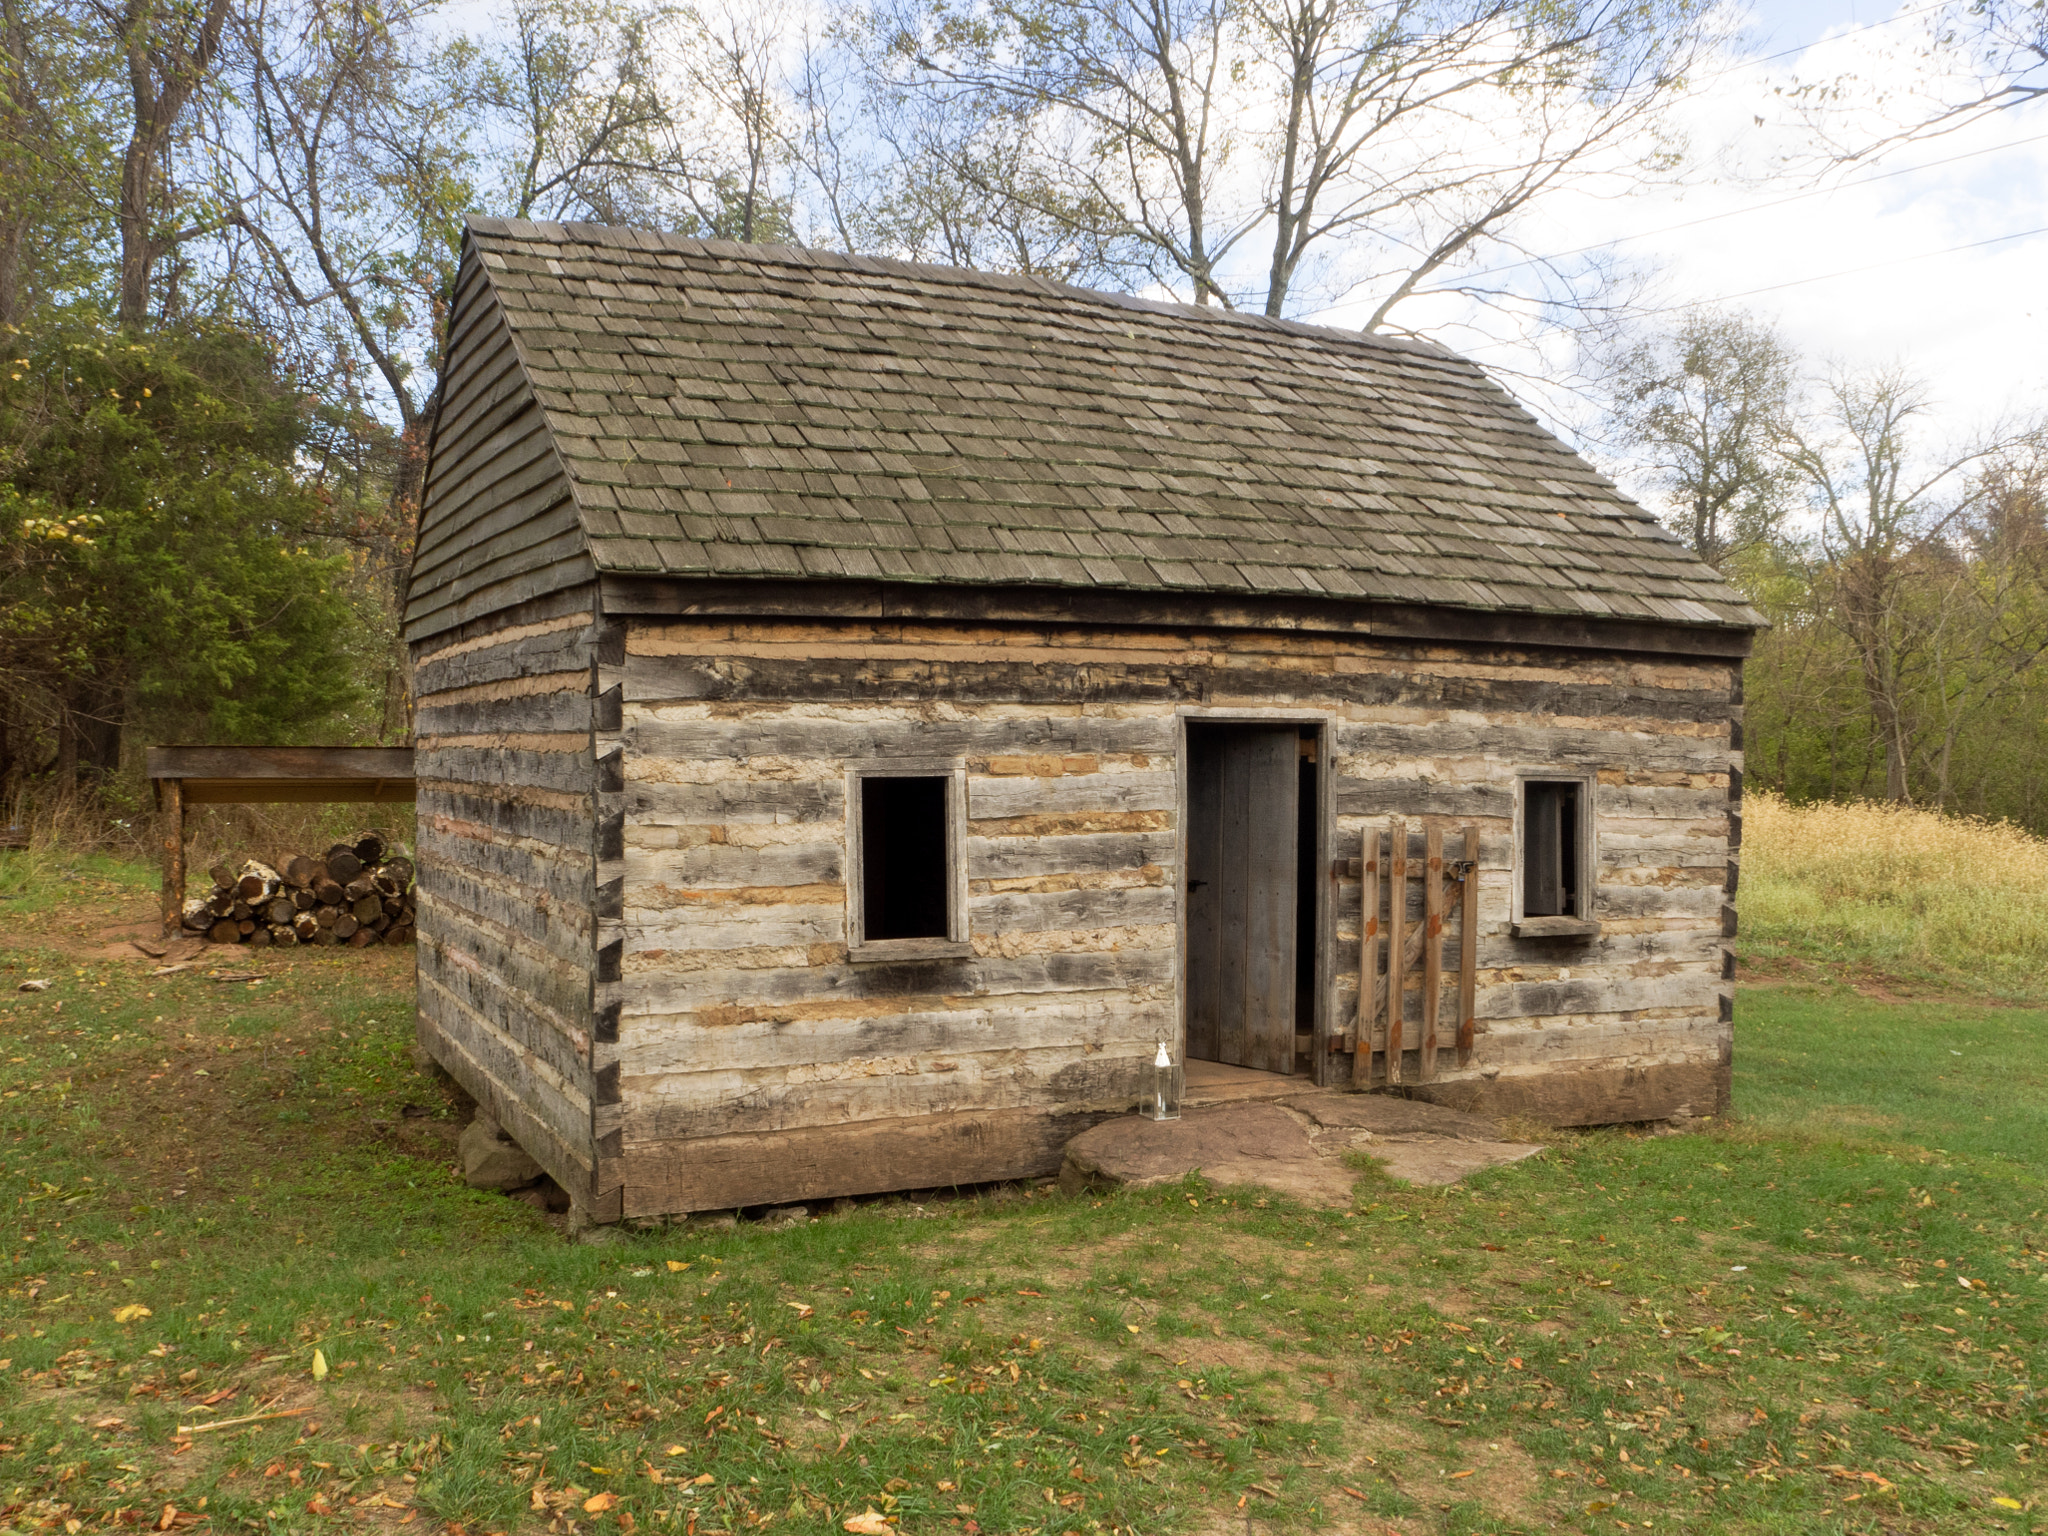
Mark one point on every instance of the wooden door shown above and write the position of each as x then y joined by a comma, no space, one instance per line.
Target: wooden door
1244,789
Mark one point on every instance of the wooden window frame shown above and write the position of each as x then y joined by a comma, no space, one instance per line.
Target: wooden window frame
956,945
1583,925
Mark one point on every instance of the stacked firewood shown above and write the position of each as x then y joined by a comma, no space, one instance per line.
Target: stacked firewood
358,893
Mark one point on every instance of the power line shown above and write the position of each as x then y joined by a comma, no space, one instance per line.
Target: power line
1867,26
1897,261
1822,277
1736,213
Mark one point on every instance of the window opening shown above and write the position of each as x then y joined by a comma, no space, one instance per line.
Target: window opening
904,873
1551,885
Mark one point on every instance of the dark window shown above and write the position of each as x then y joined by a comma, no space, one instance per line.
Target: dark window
904,877
1550,849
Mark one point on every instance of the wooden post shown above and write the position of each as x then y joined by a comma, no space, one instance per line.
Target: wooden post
1468,949
172,797
1397,944
1368,961
1432,943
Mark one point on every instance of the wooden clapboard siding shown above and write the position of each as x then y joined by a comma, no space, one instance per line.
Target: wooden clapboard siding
509,904
498,524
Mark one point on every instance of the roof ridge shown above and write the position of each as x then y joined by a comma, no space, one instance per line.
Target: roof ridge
633,237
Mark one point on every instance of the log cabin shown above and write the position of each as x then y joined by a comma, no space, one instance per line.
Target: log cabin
863,709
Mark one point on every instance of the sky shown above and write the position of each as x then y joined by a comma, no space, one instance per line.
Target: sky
1847,266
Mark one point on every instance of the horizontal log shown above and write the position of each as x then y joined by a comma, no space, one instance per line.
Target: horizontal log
1009,603
564,1044
1698,989
567,645
721,1172
696,992
474,1059
676,1050
1136,906
998,674
509,816
560,873
1529,746
1000,797
714,1102
1025,858
714,865
532,714
690,929
741,802
569,772
840,739
561,928
558,985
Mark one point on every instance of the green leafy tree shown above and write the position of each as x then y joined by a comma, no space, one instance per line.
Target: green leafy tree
154,563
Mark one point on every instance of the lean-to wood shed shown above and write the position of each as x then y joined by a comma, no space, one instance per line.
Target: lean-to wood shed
863,708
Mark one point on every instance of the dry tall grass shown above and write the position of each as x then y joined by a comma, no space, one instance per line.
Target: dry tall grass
1897,886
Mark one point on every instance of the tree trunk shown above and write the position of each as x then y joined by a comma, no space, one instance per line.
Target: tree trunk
163,71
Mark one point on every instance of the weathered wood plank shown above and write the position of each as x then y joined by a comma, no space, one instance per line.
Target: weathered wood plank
721,1172
742,991
556,650
834,738
998,798
937,1038
559,928
736,802
711,866
171,806
560,874
513,1088
279,762
563,1045
554,983
1397,946
566,710
716,1102
1023,858
1131,906
1432,944
508,816
1468,949
569,772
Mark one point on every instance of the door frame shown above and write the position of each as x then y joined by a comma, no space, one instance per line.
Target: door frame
1322,720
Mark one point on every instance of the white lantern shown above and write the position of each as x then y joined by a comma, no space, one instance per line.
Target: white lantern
1165,1086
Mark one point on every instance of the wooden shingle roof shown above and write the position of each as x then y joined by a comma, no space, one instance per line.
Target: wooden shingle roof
740,411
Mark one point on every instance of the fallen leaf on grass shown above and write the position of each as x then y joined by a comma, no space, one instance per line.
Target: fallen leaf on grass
319,1366
803,1309
318,1505
170,1514
2004,1503
598,1503
676,1266
868,1523
1466,1473
1354,1494
132,1313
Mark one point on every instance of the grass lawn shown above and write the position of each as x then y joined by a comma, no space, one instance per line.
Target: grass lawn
237,1198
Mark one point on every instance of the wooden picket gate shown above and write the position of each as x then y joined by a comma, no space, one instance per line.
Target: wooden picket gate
1383,1025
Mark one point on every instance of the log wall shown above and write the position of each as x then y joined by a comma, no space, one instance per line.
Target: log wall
755,1063
508,899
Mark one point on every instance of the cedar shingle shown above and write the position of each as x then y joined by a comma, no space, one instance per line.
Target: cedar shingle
822,415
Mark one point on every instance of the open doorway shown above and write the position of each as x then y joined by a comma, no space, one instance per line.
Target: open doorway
1253,798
